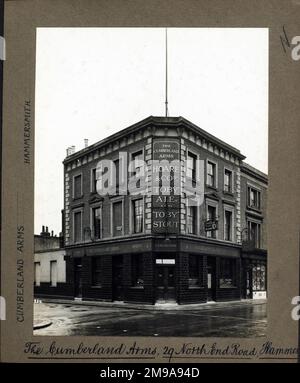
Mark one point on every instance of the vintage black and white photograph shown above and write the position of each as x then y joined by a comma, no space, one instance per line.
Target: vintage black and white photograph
151,182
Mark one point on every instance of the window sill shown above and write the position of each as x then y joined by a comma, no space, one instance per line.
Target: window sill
229,193
253,208
211,187
77,198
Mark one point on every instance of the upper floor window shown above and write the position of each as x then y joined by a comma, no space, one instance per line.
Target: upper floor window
138,207
117,175
254,198
77,226
211,216
117,218
96,222
228,181
93,180
254,233
77,186
137,159
191,219
211,174
191,166
228,225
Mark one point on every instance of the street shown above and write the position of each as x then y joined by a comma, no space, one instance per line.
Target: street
236,319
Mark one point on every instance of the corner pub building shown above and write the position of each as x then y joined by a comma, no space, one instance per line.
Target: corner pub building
117,246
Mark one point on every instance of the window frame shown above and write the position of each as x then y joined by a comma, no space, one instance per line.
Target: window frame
259,223
92,207
73,185
234,273
231,210
259,199
215,185
226,169
74,211
93,183
123,170
194,156
131,156
214,204
112,202
195,220
132,212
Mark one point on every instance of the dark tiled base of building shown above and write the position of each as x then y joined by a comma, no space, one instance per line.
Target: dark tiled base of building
152,277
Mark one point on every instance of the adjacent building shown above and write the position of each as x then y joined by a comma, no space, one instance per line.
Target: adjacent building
49,265
136,247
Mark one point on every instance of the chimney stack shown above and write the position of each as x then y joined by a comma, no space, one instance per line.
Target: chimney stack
70,150
86,142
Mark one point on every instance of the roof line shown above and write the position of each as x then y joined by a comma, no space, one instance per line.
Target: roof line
159,120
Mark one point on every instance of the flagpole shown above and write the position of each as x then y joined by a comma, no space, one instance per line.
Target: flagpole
166,102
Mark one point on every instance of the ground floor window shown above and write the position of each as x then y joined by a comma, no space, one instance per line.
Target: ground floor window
194,271
227,276
258,276
137,272
97,272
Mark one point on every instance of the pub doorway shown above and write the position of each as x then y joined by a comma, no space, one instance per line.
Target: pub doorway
165,283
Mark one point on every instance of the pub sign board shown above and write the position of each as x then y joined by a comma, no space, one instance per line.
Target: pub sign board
166,187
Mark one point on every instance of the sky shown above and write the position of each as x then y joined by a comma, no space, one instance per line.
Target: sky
93,82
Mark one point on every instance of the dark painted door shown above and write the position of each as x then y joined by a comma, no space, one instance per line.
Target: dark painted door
117,278
165,283
78,278
211,279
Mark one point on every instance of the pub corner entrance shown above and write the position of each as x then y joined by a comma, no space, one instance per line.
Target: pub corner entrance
165,281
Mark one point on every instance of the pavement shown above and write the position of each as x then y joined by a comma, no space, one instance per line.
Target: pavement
246,318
